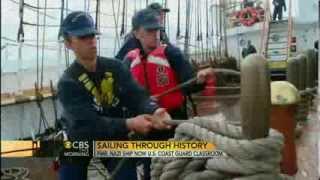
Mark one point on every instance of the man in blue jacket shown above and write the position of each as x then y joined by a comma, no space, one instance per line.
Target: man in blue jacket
131,42
93,92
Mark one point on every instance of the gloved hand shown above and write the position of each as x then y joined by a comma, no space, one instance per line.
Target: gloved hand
203,74
160,116
140,124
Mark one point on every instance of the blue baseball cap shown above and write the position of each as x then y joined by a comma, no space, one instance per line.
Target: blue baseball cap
157,7
78,24
148,19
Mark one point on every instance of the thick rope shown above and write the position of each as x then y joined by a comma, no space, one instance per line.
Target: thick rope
15,173
242,158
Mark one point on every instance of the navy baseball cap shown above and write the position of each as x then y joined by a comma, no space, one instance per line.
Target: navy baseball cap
146,18
158,7
78,24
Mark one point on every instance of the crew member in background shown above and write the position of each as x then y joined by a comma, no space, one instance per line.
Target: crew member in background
277,11
250,49
247,3
131,42
93,91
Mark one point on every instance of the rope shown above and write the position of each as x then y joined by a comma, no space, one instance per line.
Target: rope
117,43
15,173
166,22
61,18
207,29
37,82
242,158
178,23
43,44
187,33
122,31
20,37
95,165
98,24
42,118
54,104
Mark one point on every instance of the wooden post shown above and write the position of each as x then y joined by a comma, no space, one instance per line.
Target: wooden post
255,97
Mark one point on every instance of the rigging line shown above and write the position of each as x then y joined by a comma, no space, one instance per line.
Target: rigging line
212,28
88,6
32,45
167,22
225,30
41,25
97,25
20,36
7,45
123,17
126,19
118,19
66,49
207,29
43,41
187,33
201,35
31,9
220,27
117,43
198,21
217,29
37,82
198,38
214,24
96,12
61,19
165,19
54,104
34,7
178,24
135,6
42,117
102,13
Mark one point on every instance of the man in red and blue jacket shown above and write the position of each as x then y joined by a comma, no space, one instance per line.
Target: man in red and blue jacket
158,67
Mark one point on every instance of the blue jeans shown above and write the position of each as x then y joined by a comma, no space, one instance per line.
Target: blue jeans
72,171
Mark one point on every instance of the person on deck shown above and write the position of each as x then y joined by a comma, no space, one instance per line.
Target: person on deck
248,3
250,49
131,42
158,67
277,11
93,92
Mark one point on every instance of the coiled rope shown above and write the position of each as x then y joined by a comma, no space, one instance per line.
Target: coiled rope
250,152
15,173
243,159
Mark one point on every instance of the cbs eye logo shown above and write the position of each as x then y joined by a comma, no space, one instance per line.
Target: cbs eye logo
67,145
76,145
